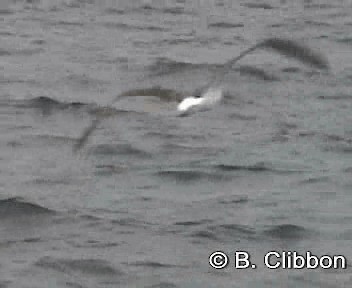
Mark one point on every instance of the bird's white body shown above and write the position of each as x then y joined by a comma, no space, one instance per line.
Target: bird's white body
189,102
209,98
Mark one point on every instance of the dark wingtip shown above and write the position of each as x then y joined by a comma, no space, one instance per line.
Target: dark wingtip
296,50
81,141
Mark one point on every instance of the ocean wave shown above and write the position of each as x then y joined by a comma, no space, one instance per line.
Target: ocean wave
165,66
16,207
225,232
287,231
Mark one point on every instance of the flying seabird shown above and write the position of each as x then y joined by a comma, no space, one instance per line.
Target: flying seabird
213,93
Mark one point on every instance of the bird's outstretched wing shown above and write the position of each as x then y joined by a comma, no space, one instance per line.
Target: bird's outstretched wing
168,95
286,47
283,46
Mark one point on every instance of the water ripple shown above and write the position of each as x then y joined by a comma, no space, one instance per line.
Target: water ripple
94,267
125,149
154,264
257,5
190,176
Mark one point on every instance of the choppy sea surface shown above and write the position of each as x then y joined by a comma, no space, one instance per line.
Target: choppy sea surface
152,195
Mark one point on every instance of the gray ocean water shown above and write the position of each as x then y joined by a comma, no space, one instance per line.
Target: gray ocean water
152,195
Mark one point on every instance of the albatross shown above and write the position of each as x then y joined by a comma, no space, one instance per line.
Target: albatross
213,93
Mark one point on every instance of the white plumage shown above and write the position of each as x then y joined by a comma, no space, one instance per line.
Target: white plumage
211,97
